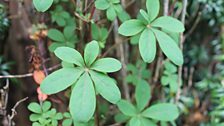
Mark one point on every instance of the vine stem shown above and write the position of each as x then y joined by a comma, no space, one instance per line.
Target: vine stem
182,39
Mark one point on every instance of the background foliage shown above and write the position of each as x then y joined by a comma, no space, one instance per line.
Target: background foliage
146,78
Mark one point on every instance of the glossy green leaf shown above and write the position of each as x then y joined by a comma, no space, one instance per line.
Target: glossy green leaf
169,47
153,7
107,65
56,35
60,80
147,46
69,55
102,4
131,27
162,112
83,99
106,86
168,23
42,5
111,13
142,94
127,108
91,52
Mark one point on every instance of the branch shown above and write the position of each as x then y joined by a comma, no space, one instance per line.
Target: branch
123,58
194,25
184,11
10,117
28,74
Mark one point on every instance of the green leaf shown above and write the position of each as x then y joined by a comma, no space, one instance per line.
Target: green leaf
102,4
147,46
171,68
46,106
174,83
106,86
107,65
34,117
60,80
69,55
168,23
169,47
69,32
144,15
115,1
34,107
135,39
91,52
127,108
83,99
111,13
135,121
55,45
56,35
123,16
147,122
67,122
142,94
131,27
153,7
165,80
162,112
42,5
121,118
118,8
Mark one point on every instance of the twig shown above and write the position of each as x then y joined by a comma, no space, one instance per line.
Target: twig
194,25
10,117
166,7
113,47
81,18
190,80
181,47
129,4
28,74
90,4
120,53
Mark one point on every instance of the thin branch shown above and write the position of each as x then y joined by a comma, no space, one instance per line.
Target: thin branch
185,2
114,47
10,117
28,74
194,25
129,4
90,4
81,18
123,58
